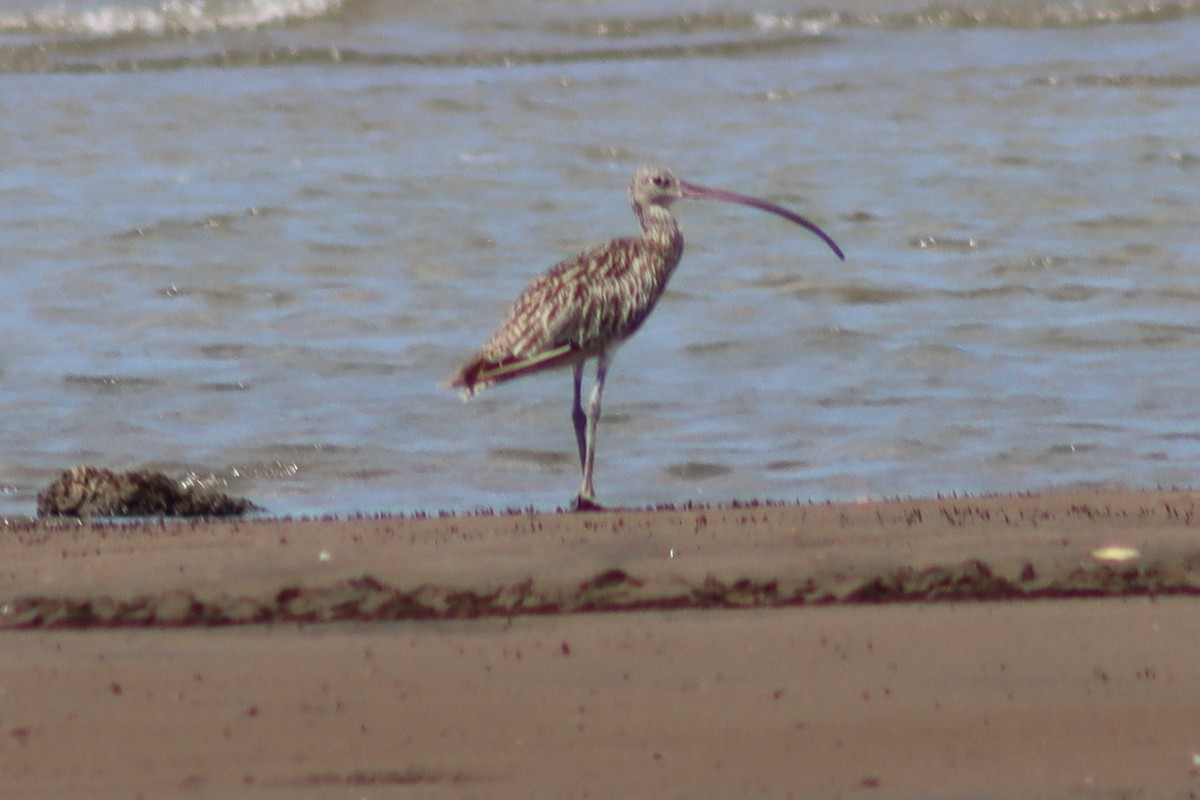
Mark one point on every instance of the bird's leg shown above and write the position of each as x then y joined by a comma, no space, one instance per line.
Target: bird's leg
579,418
587,495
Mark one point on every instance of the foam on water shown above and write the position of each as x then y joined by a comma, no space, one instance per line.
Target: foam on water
156,19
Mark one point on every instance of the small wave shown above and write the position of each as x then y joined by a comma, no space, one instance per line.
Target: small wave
1189,80
210,222
859,293
1142,81
165,18
979,14
109,383
64,38
931,242
1008,14
1123,336
694,23
36,60
528,458
697,470
1014,14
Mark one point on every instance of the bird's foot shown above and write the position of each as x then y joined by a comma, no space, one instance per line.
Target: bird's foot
581,503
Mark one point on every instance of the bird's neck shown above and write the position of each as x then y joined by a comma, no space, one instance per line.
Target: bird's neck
659,227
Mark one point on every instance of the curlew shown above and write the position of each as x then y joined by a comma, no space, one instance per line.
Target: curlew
586,306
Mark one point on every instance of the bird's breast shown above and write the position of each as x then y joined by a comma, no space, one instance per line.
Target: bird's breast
622,289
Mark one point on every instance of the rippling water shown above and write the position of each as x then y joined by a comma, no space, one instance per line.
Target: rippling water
244,240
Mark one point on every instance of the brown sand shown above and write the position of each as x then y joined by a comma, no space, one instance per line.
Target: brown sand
761,651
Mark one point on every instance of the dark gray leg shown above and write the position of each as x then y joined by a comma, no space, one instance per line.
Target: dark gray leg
579,418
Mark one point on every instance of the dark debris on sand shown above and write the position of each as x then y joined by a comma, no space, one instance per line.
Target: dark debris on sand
86,491
366,599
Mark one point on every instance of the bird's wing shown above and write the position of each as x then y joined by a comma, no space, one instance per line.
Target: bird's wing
571,311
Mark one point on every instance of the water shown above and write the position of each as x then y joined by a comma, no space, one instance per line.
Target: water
244,241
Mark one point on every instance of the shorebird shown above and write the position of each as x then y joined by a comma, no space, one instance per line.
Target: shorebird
586,306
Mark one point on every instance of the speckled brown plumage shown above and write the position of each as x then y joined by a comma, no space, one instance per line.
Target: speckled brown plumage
584,307
572,312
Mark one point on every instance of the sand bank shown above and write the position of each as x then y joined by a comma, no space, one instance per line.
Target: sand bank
757,650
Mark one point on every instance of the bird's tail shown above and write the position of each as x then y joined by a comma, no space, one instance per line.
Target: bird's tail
480,373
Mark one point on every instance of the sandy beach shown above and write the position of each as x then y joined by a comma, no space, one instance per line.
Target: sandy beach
1039,646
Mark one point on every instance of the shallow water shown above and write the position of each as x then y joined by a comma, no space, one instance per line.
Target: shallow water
245,240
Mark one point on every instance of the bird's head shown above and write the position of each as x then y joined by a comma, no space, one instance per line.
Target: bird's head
658,186
654,186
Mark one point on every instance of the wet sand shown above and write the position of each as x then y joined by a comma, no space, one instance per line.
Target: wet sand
949,648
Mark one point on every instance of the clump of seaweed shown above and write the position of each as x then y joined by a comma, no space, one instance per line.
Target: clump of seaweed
87,491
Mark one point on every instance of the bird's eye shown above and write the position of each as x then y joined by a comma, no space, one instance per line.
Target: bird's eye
659,181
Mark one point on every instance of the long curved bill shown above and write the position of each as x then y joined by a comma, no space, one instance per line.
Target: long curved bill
692,191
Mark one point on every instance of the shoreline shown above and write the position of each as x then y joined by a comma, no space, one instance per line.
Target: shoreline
1022,547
